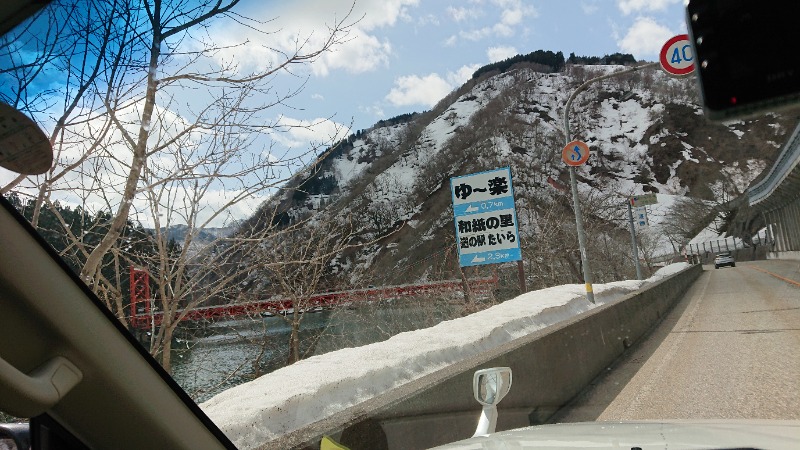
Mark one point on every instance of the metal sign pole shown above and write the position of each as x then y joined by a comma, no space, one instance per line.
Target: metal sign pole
587,272
523,288
633,243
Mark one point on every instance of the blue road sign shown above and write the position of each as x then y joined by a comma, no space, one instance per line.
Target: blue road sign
485,218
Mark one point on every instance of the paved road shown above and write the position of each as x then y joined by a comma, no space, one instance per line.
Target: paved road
729,350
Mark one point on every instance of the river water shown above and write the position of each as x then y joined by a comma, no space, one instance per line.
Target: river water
224,354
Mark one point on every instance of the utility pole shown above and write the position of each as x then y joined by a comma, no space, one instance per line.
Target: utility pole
587,273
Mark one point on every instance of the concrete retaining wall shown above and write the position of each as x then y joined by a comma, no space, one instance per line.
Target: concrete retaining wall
550,367
784,255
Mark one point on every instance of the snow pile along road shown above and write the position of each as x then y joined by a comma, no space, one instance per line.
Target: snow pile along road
315,388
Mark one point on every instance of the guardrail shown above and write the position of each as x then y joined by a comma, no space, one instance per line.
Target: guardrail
786,162
726,244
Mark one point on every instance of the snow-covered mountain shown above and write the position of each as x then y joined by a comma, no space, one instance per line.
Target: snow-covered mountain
646,132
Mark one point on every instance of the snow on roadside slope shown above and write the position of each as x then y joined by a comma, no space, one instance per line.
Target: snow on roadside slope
312,389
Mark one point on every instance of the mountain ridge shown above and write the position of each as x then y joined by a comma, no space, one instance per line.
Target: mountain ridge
645,130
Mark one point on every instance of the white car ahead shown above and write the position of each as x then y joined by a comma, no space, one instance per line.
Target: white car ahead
724,259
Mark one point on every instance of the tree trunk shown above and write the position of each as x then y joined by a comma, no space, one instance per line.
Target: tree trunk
138,162
294,340
166,350
469,300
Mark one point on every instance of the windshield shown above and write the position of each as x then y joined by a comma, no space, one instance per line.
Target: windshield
276,199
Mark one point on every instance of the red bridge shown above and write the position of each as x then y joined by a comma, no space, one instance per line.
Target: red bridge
144,316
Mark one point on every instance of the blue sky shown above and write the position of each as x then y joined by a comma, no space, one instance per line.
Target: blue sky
400,56
405,55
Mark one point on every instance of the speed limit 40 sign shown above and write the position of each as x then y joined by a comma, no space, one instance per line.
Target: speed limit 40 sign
677,57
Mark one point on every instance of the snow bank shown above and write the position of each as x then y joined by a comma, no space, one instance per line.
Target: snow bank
317,387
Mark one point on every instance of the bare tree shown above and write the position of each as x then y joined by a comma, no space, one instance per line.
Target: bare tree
300,263
76,46
166,25
128,140
687,217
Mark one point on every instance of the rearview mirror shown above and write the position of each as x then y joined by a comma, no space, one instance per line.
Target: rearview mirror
744,53
24,148
15,436
489,387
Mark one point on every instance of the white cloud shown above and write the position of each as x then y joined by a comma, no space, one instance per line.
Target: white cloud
476,34
219,200
97,183
462,75
589,8
300,133
463,14
382,13
373,14
512,14
514,11
416,90
502,29
500,53
370,54
429,89
316,96
428,19
216,202
374,110
631,6
645,38
289,26
615,30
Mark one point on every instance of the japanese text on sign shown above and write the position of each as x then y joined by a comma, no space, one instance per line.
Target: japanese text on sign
485,220
496,186
481,230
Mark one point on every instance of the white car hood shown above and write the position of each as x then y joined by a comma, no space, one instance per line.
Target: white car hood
771,434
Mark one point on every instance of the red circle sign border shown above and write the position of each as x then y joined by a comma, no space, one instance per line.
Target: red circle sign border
568,147
662,57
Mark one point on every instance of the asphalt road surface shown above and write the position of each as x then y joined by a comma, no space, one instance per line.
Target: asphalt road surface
730,349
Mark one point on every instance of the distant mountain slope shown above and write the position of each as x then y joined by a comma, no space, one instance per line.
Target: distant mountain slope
205,236
645,130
